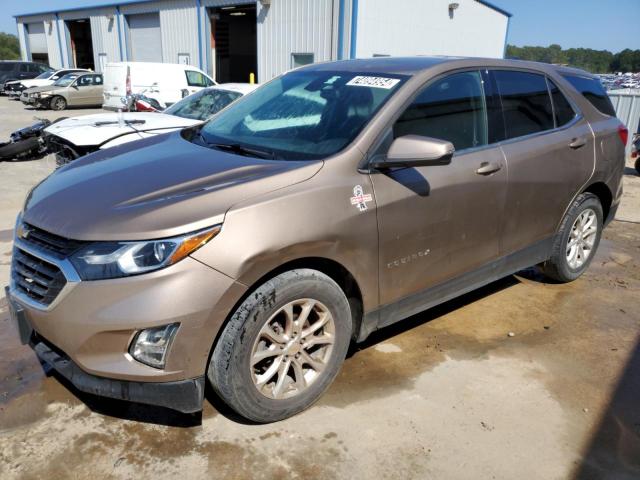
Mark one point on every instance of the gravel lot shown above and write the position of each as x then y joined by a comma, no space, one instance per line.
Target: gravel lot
447,394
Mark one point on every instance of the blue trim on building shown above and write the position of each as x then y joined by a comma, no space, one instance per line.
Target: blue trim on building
90,7
62,62
495,7
125,23
25,33
341,30
119,33
506,38
354,28
199,15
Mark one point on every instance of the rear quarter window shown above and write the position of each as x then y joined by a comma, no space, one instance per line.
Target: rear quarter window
592,90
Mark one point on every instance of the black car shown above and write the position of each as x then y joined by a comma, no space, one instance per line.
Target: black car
18,70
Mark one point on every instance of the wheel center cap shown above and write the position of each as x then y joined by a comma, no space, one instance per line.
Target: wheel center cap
294,347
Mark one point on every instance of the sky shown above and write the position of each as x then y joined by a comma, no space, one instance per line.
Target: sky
599,24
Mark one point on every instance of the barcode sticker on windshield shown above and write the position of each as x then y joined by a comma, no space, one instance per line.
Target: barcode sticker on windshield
375,82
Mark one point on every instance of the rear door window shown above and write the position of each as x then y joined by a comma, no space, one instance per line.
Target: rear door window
526,104
592,90
563,110
453,109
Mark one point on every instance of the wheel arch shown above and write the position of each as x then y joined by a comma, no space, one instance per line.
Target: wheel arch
333,269
602,191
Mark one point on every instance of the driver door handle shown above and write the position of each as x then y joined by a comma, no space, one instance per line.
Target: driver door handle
487,168
578,142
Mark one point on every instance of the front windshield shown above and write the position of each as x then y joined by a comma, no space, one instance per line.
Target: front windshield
45,75
304,114
66,80
203,104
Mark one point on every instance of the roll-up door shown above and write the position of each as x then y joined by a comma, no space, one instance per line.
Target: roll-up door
144,34
37,38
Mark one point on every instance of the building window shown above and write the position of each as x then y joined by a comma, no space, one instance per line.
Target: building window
301,59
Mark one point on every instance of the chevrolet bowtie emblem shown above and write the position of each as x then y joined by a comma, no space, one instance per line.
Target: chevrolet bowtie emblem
23,231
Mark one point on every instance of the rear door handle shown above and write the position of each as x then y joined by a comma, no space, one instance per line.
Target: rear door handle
578,142
487,168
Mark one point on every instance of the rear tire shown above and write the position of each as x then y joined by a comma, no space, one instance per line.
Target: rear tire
14,150
577,239
637,165
270,361
58,103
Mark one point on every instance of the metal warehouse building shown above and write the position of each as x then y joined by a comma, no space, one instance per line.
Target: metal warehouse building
233,38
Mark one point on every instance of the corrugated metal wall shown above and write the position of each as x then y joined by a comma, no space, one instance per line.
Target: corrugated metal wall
51,32
627,105
104,31
293,26
419,27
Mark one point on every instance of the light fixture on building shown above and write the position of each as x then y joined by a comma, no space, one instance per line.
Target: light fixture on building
227,8
452,8
237,14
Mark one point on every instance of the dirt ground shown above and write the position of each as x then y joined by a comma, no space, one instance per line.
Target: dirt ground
447,394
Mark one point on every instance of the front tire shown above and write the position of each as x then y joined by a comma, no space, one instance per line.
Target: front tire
58,103
577,239
282,347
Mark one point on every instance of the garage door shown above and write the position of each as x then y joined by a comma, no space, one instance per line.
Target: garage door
144,34
37,38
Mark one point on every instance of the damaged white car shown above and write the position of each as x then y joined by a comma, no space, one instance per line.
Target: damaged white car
74,137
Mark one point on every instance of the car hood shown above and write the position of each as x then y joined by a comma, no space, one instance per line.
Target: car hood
36,83
153,188
97,129
45,88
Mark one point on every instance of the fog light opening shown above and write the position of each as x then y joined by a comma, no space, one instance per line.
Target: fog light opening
151,345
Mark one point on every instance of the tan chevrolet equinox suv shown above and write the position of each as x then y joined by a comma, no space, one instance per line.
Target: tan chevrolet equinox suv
339,198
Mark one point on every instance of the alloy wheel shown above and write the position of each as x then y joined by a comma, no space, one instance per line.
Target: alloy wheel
582,238
292,349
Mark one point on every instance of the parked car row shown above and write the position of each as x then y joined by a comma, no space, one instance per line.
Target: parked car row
163,84
250,250
16,70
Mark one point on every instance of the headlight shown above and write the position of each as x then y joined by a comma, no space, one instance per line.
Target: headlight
35,95
102,260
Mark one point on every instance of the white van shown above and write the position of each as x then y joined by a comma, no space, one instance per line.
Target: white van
165,82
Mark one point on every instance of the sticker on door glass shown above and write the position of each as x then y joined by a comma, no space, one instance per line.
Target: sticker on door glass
375,82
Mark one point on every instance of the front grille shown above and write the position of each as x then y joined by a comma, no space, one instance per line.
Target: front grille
37,279
56,245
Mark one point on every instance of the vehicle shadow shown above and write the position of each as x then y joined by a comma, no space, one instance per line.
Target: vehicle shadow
384,334
164,416
631,171
128,410
614,449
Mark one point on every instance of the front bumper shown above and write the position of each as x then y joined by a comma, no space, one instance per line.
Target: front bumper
185,396
90,325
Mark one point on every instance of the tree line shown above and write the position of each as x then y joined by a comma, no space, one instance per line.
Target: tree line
596,61
9,47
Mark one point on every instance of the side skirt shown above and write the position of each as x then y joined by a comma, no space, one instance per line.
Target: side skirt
418,302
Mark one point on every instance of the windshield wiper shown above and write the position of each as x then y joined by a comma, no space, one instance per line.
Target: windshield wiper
242,150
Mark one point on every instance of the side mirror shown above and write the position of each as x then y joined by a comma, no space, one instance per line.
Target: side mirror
415,151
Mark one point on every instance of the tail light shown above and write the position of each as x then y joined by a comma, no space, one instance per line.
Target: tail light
624,134
128,86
